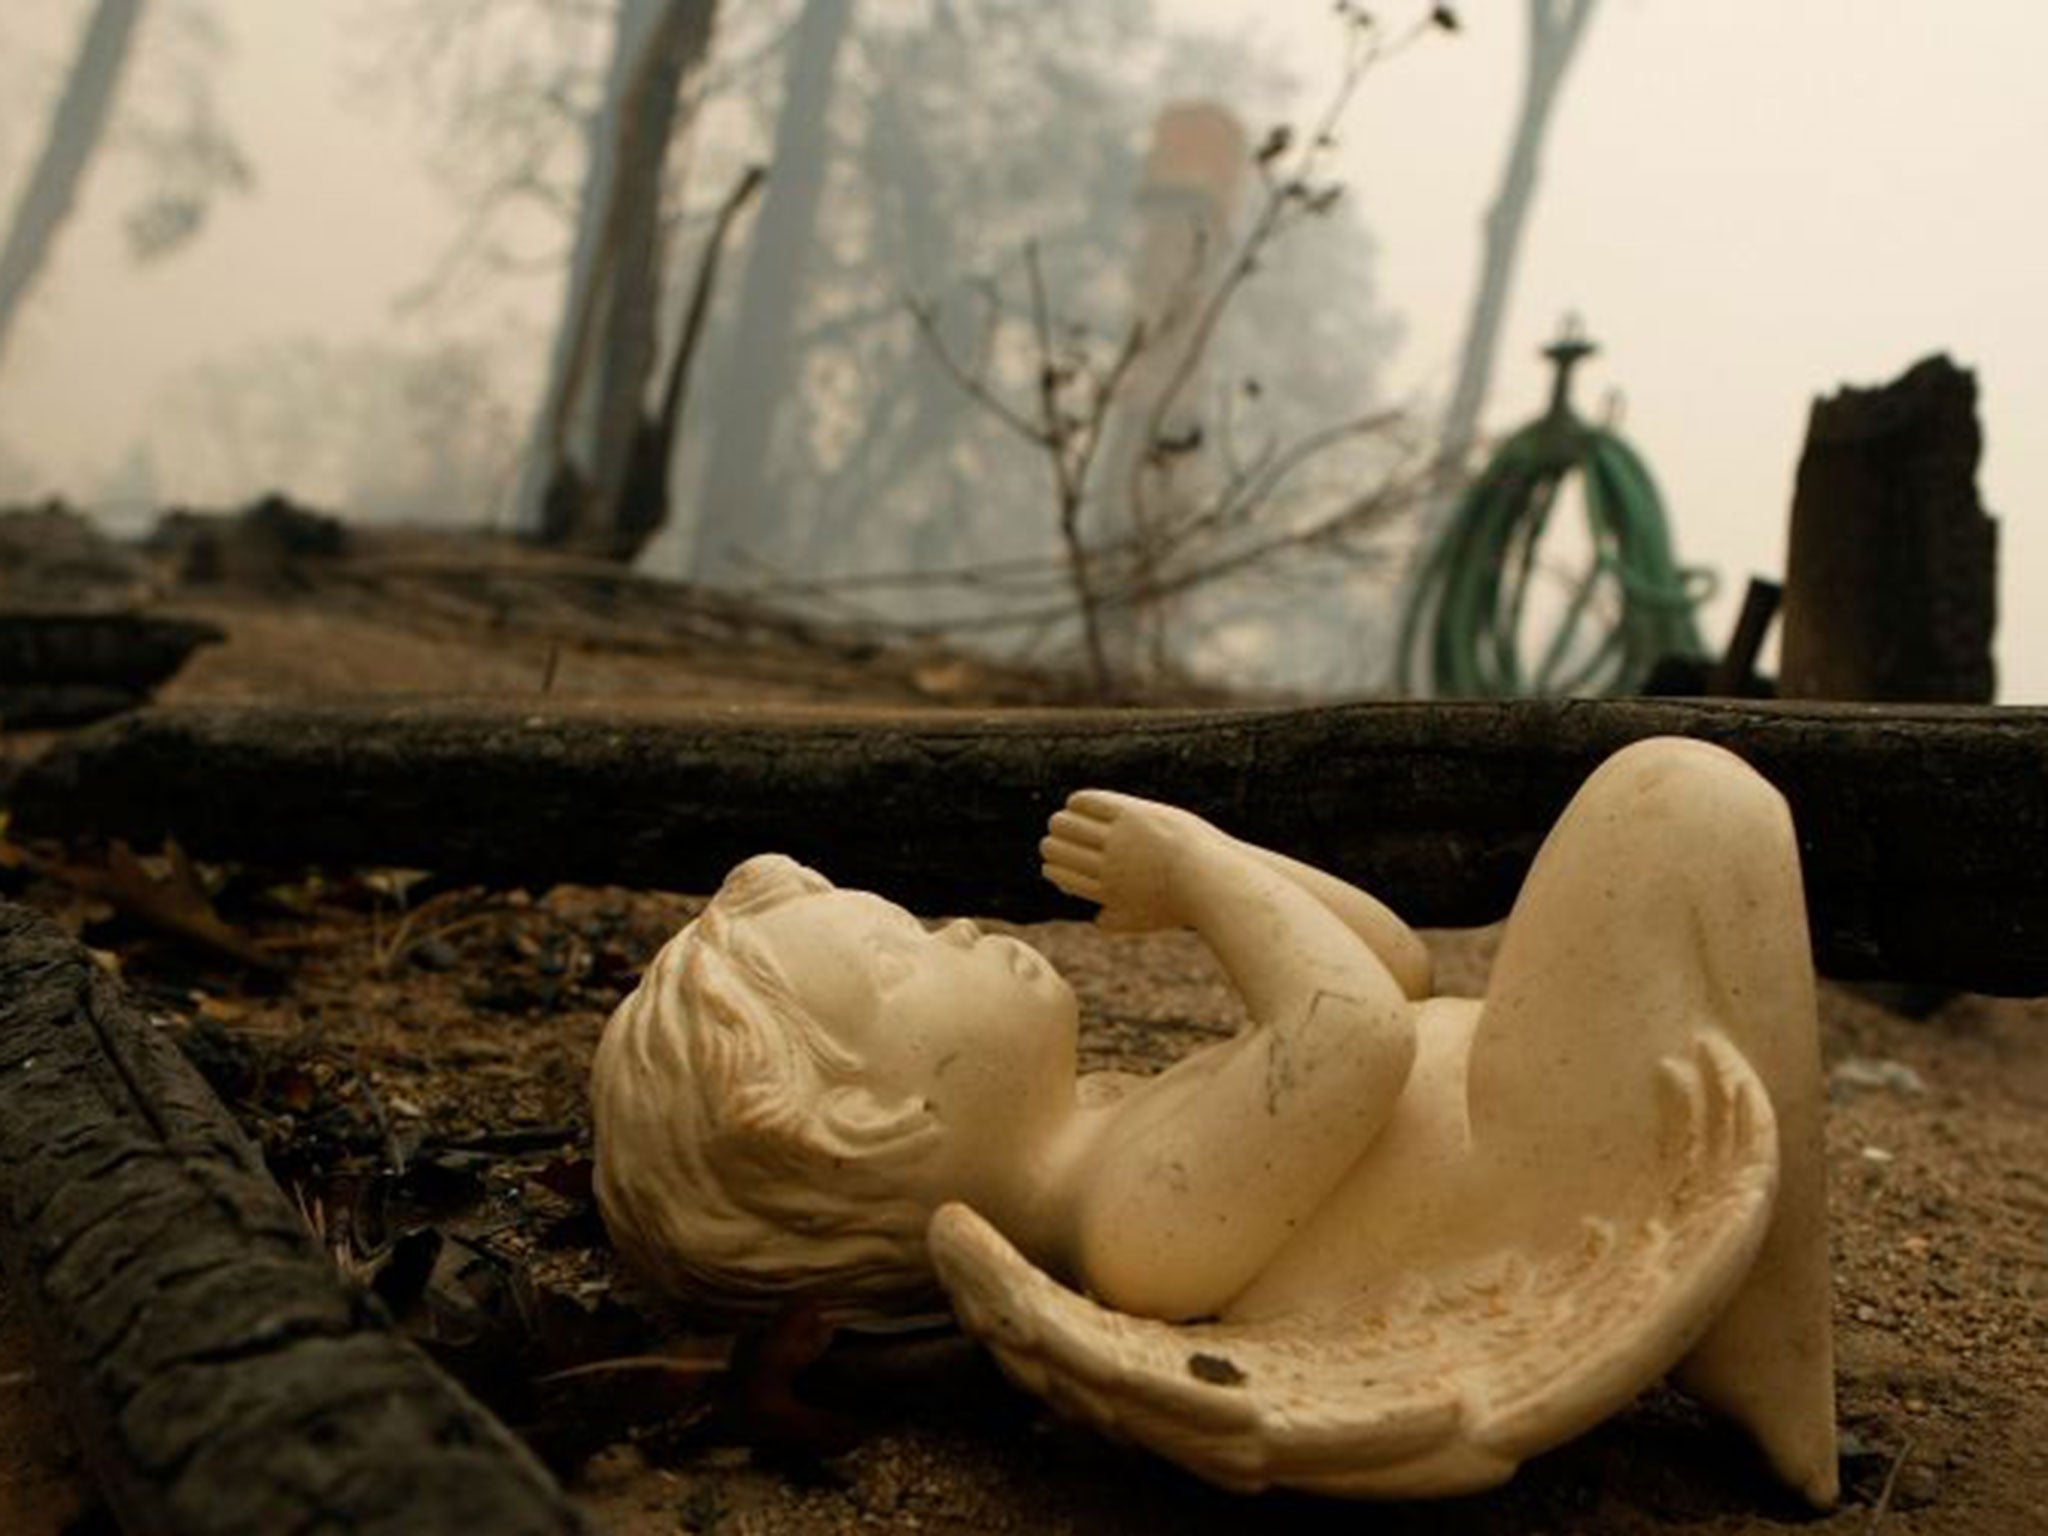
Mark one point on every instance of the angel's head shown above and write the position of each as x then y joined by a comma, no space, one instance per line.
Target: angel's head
804,1074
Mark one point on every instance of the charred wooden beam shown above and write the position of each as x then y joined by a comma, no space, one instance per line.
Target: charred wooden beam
221,1375
1924,830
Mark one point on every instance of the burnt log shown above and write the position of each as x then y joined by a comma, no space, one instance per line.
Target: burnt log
221,1375
1923,831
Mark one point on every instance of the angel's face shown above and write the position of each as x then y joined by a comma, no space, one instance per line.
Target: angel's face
979,1026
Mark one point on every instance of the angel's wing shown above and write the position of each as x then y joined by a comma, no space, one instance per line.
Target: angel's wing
1444,1388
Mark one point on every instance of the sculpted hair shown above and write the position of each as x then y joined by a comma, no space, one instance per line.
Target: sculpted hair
741,1161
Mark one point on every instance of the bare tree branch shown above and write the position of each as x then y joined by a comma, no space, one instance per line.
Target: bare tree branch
969,383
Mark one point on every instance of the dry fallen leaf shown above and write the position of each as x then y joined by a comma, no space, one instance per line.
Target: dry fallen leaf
174,902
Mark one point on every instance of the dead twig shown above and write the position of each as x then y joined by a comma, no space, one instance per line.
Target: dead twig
408,932
687,1367
1884,1494
387,1137
1072,443
972,385
1290,194
1076,395
529,1138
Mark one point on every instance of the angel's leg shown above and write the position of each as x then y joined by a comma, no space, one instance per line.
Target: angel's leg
1667,902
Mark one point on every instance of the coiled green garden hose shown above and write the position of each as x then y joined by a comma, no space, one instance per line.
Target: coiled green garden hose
1470,600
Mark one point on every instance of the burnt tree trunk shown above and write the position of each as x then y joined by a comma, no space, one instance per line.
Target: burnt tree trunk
221,1375
1891,574
759,387
1924,832
77,127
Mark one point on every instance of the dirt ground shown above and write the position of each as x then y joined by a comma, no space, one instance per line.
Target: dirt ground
415,1071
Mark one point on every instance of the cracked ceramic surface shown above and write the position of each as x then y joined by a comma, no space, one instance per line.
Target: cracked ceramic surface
1380,1243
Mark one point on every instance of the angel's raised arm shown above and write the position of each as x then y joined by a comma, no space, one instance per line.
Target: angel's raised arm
1205,1171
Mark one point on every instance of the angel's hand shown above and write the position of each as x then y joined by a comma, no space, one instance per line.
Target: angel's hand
1126,855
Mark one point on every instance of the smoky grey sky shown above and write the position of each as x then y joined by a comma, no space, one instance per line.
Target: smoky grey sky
1749,203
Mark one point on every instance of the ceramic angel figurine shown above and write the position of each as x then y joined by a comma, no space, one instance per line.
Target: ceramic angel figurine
1380,1243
